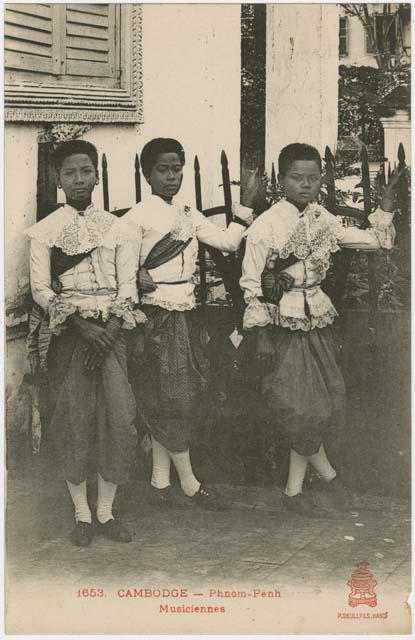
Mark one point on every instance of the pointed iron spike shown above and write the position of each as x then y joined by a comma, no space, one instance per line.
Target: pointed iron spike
196,164
136,162
104,161
223,159
401,155
328,155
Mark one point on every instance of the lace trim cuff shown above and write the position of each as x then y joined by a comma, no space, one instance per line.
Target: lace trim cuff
124,308
59,311
257,314
382,227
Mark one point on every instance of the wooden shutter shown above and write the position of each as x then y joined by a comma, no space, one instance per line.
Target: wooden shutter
90,40
28,42
344,36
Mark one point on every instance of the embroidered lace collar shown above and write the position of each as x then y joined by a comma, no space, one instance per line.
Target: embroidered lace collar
73,233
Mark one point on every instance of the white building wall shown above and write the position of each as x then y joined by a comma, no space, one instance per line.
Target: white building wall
357,54
357,50
302,73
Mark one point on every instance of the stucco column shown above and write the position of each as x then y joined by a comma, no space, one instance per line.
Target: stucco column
302,76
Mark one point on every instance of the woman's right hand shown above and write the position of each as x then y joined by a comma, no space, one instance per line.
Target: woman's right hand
265,352
94,335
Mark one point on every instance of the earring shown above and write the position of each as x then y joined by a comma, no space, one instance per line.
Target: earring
59,186
96,182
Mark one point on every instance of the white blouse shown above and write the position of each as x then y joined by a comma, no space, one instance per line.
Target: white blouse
311,236
101,284
152,219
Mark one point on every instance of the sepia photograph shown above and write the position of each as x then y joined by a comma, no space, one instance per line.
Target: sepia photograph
207,294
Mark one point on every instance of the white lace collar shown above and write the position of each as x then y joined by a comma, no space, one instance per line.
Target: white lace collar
74,233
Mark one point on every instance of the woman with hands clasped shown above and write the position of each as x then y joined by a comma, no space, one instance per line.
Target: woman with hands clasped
82,272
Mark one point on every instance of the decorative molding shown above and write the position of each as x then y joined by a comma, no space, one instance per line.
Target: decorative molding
53,102
61,132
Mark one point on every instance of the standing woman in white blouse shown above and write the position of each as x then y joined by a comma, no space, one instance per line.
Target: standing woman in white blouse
171,371
286,260
82,272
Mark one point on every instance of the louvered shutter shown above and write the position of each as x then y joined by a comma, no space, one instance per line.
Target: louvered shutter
90,40
28,42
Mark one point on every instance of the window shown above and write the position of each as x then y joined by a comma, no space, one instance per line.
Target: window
385,33
79,62
343,37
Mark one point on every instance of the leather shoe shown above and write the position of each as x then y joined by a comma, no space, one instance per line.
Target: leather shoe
336,492
169,498
114,530
302,506
208,498
82,534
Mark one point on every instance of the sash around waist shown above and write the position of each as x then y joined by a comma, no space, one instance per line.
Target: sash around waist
172,282
312,290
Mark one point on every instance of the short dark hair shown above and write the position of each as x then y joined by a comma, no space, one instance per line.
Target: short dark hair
69,148
155,147
297,151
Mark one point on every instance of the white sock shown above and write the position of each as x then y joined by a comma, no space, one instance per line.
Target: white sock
188,482
160,478
80,502
106,495
296,474
322,465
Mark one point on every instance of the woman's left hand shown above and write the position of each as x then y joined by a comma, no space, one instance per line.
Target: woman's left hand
93,359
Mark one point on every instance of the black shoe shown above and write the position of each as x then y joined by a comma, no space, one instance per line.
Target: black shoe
169,498
208,498
82,534
302,506
114,530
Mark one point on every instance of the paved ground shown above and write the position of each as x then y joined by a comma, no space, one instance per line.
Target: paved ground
255,542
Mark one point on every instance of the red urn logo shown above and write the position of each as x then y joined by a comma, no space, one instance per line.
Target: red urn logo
362,585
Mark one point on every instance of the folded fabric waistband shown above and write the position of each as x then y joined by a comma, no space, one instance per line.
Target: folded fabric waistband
88,292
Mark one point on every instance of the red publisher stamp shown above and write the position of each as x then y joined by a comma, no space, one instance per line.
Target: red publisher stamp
362,586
